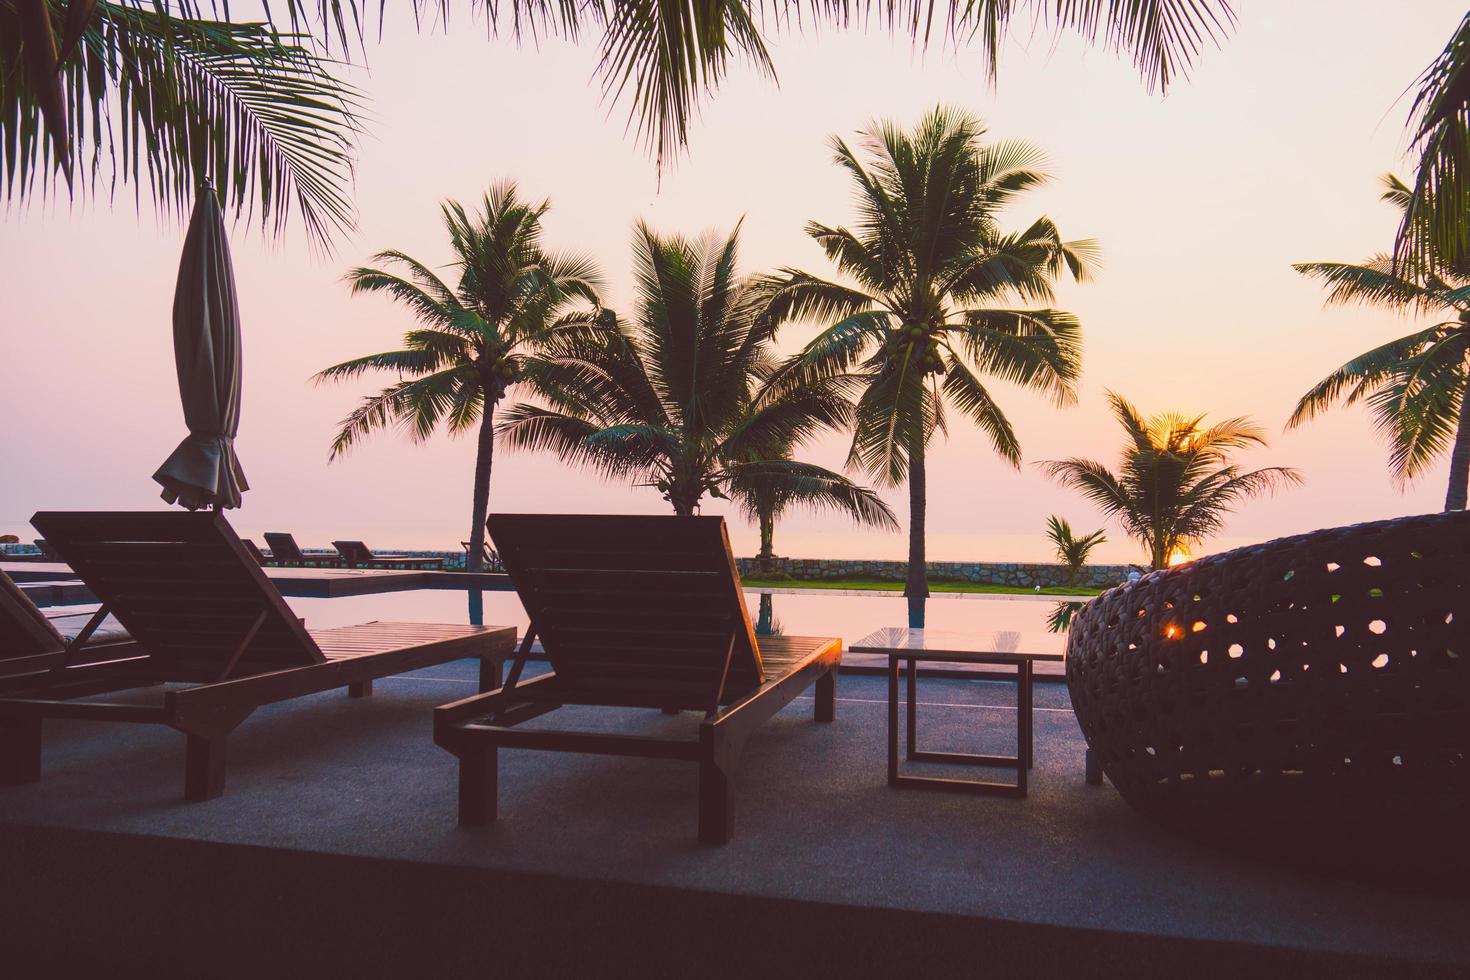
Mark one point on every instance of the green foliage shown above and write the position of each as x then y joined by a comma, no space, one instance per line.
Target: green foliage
198,90
675,401
1435,231
1413,385
147,94
512,302
1071,550
920,325
1175,481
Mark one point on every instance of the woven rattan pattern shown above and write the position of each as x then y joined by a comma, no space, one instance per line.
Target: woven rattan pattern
1320,680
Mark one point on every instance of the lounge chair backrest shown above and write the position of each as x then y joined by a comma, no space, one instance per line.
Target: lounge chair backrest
641,609
27,639
283,547
183,585
253,551
354,552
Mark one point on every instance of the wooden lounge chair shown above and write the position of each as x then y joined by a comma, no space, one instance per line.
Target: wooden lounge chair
285,551
633,612
254,551
31,644
203,613
355,554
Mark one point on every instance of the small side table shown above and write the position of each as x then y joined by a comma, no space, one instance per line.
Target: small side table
911,647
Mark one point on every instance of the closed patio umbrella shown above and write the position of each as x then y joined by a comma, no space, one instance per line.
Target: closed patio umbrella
204,471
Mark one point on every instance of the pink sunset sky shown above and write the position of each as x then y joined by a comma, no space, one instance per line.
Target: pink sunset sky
1270,154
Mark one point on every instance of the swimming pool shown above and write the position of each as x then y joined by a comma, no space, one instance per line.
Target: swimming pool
1014,622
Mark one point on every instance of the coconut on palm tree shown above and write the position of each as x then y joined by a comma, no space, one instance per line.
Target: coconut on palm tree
475,340
675,402
1176,481
935,297
1415,385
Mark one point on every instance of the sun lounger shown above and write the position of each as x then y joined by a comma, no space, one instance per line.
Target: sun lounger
633,612
489,560
285,551
30,643
254,552
203,613
355,554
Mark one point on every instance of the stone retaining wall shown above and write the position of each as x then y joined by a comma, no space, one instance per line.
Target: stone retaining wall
1025,575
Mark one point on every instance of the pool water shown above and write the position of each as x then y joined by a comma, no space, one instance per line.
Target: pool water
1012,622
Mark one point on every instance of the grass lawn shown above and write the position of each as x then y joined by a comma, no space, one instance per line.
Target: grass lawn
887,585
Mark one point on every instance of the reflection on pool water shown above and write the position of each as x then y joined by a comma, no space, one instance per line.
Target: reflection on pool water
1018,621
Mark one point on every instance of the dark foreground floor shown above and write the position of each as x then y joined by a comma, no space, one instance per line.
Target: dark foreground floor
335,850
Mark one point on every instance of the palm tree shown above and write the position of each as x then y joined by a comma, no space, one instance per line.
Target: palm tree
920,324
765,497
675,402
243,104
1071,550
1415,385
149,93
476,340
1435,230
1175,481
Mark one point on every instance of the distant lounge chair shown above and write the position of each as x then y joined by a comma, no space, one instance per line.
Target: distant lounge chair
203,613
355,554
633,612
30,643
254,551
285,551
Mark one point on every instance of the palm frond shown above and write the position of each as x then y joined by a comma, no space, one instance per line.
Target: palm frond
168,100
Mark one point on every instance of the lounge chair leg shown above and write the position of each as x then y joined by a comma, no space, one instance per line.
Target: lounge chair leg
827,696
489,674
1093,770
716,804
479,785
362,689
20,750
204,767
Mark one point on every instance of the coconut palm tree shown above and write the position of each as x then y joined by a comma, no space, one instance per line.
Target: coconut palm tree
197,96
1071,550
675,401
475,340
1175,481
1435,230
1414,385
925,311
167,95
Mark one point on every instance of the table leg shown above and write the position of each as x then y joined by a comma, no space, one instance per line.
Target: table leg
892,721
913,718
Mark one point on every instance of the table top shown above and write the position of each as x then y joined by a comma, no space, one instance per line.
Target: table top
896,641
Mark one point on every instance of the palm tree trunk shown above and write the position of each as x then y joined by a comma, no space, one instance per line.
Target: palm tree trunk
768,538
484,458
1460,459
917,586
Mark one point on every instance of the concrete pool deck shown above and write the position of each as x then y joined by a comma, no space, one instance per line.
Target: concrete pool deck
335,848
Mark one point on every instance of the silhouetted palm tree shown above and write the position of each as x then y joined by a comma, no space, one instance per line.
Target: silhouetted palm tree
1175,482
1415,385
922,320
1071,550
476,339
675,401
194,95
